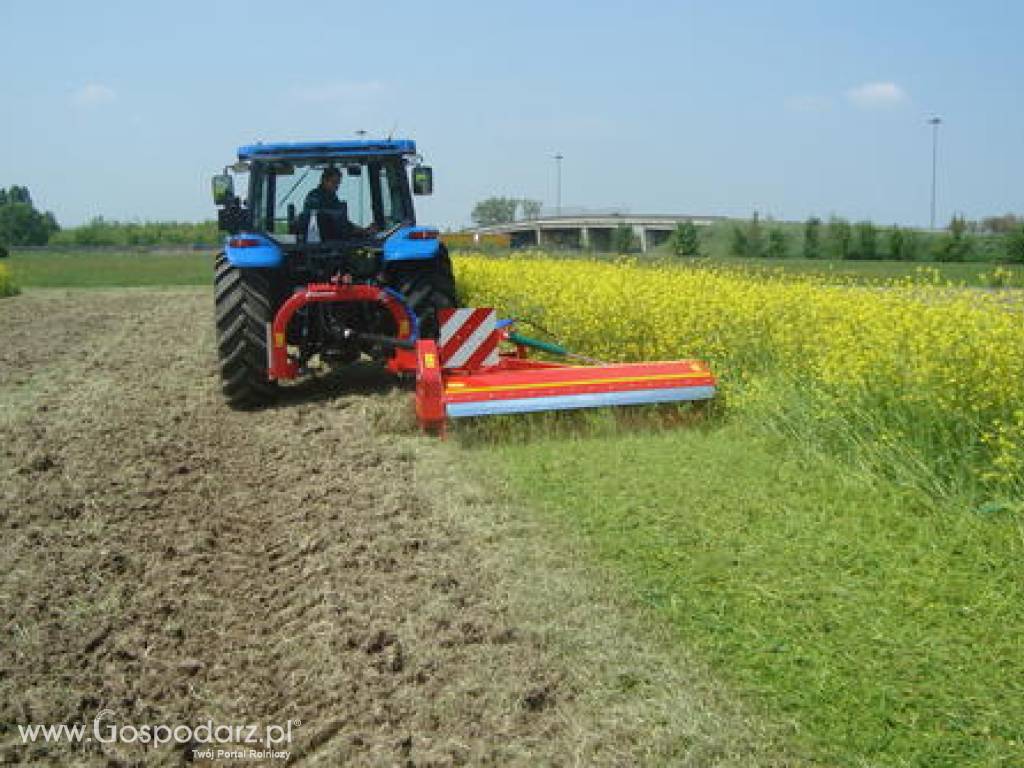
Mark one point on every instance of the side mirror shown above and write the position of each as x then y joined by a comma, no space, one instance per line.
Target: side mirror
233,218
223,188
422,180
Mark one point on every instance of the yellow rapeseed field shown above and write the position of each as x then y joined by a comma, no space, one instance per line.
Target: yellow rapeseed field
932,374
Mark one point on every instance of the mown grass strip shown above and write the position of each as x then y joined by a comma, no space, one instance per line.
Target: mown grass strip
891,631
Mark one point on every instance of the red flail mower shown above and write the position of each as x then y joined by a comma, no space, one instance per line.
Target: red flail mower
479,365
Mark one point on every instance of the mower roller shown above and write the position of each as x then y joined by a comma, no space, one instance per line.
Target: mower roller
352,275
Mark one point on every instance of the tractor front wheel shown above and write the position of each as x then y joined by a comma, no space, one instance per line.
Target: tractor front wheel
245,302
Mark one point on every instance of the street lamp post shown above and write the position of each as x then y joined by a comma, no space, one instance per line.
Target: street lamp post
934,122
558,185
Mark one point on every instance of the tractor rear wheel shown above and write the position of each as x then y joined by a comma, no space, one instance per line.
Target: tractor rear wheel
245,302
429,289
428,293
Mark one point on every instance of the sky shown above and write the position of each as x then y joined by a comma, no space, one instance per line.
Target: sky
125,109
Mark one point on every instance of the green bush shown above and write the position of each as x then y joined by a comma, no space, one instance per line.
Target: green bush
778,247
21,224
840,238
99,231
755,237
955,245
866,245
812,238
1015,245
624,239
738,242
7,286
748,240
898,243
685,240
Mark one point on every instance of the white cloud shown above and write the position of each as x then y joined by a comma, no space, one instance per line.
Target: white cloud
93,95
338,93
874,95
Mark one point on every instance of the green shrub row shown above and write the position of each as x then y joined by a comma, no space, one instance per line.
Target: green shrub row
839,239
99,231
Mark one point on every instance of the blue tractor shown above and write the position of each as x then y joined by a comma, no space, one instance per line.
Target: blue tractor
323,262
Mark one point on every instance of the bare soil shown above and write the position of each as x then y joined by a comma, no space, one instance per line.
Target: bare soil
176,562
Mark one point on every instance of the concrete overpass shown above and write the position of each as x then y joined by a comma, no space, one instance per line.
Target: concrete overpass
591,231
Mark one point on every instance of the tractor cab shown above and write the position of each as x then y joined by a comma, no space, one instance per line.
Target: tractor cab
334,193
332,223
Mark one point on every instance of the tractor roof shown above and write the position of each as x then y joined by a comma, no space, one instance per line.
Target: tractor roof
326,149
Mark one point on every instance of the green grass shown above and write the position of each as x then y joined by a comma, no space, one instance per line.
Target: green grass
92,269
891,630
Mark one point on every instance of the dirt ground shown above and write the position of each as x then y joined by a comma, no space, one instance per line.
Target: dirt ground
174,562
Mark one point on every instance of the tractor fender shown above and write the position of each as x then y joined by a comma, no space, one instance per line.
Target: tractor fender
412,244
253,251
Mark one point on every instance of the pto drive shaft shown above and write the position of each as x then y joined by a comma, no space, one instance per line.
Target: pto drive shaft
547,346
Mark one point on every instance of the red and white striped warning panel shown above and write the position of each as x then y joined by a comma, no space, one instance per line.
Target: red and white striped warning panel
468,338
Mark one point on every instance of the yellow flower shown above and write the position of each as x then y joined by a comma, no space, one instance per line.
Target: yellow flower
905,353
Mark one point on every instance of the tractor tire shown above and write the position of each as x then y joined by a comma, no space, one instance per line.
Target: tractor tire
427,293
245,302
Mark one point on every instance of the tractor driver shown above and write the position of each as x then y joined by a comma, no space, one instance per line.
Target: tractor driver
324,198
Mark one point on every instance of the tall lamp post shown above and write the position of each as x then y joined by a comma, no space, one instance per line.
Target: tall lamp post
558,183
934,122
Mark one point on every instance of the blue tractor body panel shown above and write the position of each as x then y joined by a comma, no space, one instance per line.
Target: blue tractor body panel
251,250
258,251
326,149
403,246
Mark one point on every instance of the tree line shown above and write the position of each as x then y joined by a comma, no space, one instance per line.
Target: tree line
100,231
993,239
20,222
504,210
